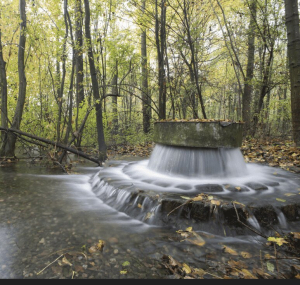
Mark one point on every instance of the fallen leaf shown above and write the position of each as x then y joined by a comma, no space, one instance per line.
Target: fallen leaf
100,245
280,200
186,198
245,254
148,216
66,261
289,194
186,268
126,263
238,203
198,271
278,241
198,198
93,249
229,250
123,272
270,266
296,235
248,275
238,188
215,202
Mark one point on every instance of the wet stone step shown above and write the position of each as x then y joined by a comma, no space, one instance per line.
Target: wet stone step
257,186
209,188
236,188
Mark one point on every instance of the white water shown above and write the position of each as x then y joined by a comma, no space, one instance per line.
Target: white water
197,162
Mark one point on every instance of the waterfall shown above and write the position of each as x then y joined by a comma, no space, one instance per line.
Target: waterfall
198,162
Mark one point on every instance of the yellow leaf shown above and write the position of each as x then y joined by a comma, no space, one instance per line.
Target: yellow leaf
289,194
100,245
280,200
200,272
186,268
229,250
198,198
215,202
278,241
238,203
123,272
246,254
189,229
210,197
140,206
148,216
238,188
186,198
248,275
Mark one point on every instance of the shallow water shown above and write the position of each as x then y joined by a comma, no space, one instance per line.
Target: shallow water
43,213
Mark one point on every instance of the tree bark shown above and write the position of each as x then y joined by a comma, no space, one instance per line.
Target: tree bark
293,34
160,35
115,121
8,148
3,86
145,86
95,85
246,99
79,53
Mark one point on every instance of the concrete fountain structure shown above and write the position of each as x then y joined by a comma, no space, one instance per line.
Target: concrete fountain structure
198,149
200,158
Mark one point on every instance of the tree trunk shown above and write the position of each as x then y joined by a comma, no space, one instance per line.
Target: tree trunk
293,34
160,36
246,100
115,121
95,85
145,88
3,87
8,148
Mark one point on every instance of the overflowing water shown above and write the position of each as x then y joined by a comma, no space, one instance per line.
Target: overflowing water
197,162
44,214
149,190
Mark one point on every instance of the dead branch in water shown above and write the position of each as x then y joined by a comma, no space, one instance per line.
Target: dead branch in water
55,144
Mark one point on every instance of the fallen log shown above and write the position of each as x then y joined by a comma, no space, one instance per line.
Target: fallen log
55,144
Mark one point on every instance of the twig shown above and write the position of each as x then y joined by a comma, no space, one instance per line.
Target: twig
251,229
277,267
187,202
49,264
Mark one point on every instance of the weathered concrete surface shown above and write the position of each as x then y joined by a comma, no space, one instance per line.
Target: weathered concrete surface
199,134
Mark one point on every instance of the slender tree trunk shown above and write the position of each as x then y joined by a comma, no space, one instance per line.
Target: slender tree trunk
79,53
8,148
145,88
95,85
64,58
3,87
246,100
293,34
115,121
160,36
